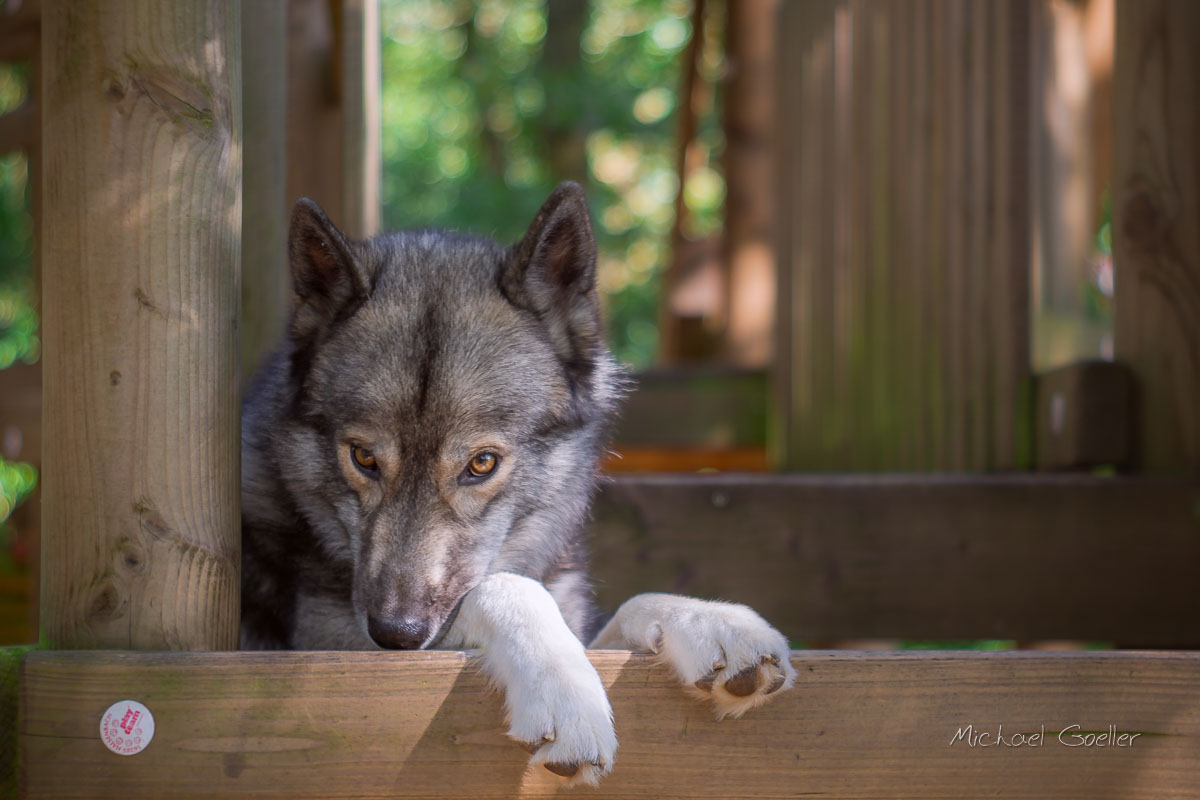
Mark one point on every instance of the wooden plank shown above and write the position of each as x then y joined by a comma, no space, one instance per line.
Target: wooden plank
266,283
1156,223
425,725
910,230
877,53
1009,381
141,256
1085,416
785,184
894,556
977,218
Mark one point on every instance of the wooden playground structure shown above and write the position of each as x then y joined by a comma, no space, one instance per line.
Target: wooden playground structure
162,194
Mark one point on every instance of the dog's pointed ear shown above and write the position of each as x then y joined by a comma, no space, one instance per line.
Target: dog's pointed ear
326,277
552,272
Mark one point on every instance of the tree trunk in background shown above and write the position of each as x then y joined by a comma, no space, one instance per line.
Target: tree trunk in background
680,337
565,131
749,258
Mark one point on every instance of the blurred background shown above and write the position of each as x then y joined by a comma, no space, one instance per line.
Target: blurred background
835,235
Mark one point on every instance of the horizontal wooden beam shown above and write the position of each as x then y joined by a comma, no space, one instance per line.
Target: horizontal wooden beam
915,556
425,724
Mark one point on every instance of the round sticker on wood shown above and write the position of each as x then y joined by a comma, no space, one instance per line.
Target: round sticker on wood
127,727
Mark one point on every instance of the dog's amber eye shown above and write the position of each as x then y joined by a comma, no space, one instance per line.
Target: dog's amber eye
363,458
483,464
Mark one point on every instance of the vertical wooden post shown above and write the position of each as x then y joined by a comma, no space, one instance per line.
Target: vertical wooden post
265,281
1156,223
333,97
141,238
749,170
363,165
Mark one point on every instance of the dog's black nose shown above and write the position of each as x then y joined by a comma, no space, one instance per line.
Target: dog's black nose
398,634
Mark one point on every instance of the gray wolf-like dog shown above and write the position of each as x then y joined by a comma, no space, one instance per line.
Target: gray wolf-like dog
418,458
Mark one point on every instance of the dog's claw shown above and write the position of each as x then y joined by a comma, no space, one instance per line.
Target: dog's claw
776,684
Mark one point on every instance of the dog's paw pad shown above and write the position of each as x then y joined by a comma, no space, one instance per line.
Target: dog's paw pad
764,678
727,654
736,692
565,770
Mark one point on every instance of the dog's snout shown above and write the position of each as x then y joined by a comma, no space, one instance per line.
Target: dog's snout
398,634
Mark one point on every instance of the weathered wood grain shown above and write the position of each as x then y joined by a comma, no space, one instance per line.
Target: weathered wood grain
142,201
1156,224
895,556
425,725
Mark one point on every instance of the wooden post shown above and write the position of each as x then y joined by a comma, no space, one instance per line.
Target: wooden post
265,281
333,97
1156,224
142,165
749,257
363,166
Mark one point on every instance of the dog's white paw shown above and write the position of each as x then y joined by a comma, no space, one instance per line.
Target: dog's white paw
727,653
562,716
723,652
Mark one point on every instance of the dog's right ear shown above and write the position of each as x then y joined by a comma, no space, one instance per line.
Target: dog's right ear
326,277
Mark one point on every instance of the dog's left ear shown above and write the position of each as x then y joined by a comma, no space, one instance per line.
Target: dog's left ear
552,272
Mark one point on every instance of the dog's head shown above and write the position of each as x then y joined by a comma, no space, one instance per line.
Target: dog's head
450,399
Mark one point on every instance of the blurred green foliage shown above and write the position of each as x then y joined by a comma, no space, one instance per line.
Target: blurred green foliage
18,316
488,104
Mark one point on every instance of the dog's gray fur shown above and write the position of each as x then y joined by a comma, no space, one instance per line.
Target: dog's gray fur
430,344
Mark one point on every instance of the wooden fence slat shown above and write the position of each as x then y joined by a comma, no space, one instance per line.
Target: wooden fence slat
920,362
891,556
1156,232
978,298
861,725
